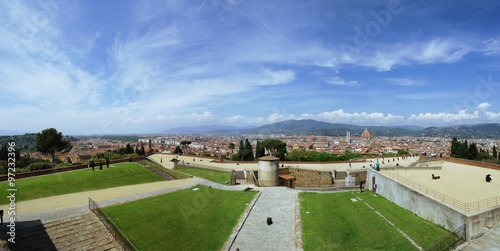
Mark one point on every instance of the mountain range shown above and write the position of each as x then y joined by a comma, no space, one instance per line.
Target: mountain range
309,126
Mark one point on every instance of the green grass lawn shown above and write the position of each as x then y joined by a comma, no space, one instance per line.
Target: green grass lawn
79,181
181,220
335,222
219,177
424,232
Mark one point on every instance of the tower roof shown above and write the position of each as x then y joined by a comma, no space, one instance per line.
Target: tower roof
366,134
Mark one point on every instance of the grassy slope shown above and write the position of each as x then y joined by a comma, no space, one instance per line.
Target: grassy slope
335,222
79,181
424,232
219,177
174,173
182,220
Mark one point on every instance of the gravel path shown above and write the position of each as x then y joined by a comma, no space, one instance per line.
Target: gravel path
82,198
68,205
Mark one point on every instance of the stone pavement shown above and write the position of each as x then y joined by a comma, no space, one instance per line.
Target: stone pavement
281,204
489,241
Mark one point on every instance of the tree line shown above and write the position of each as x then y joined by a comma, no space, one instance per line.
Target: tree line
464,150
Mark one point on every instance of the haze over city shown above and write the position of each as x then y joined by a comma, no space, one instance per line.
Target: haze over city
93,67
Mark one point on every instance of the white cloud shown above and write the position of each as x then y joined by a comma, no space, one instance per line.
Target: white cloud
336,80
483,106
492,46
405,81
280,77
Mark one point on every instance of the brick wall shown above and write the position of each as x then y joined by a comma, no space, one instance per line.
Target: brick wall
473,163
311,178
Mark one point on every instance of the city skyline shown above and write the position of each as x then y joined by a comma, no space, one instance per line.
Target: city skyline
89,67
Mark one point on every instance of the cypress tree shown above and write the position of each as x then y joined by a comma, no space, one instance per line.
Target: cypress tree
463,150
142,152
248,151
259,150
472,153
241,150
454,147
495,154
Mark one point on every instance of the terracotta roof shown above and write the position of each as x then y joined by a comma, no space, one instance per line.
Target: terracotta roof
366,134
268,158
287,177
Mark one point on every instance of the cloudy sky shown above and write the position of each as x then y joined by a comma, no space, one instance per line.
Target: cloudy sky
106,67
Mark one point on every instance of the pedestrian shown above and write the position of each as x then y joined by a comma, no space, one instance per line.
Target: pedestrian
107,163
100,165
92,165
161,160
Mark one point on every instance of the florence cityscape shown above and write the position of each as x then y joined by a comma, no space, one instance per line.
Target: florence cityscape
249,125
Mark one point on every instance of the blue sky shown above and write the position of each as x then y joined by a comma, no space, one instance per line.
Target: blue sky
106,67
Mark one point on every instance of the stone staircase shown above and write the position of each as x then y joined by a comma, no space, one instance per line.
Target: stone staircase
83,232
159,173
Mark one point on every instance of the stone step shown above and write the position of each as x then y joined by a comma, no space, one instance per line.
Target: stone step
83,232
160,173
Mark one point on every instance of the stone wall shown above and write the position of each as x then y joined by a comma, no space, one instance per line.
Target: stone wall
431,209
473,163
311,178
179,165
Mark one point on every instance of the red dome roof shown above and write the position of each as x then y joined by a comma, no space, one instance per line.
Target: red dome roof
366,134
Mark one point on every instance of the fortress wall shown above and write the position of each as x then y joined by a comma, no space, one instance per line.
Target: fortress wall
311,178
432,209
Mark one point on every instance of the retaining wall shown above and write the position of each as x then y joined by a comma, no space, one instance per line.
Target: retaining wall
473,163
432,209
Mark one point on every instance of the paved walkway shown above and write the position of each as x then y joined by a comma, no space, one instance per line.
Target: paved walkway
279,203
68,205
489,241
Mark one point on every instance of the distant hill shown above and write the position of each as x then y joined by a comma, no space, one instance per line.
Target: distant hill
309,126
9,133
490,130
213,129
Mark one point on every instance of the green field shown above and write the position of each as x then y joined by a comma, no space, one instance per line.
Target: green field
181,220
219,177
79,181
335,222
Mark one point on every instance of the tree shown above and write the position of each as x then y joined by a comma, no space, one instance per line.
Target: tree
463,150
259,150
4,153
248,152
178,150
472,152
51,142
142,152
129,149
241,150
275,147
231,145
495,154
455,145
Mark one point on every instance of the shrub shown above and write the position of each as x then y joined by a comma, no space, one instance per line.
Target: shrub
38,166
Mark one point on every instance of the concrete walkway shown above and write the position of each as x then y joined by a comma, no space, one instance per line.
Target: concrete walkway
281,204
489,241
